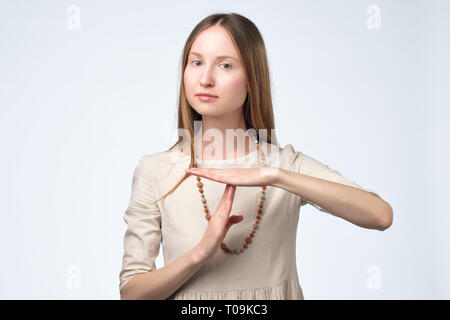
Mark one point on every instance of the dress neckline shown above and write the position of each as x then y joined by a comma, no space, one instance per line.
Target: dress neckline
251,159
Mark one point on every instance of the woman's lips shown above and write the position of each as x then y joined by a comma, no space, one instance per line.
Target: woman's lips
206,98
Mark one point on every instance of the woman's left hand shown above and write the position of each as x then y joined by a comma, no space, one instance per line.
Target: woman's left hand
261,176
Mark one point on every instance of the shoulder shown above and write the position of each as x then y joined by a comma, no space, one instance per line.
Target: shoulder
289,151
301,162
286,157
157,164
154,159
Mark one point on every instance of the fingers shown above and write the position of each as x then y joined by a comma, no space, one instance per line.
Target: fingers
231,192
230,198
228,194
234,219
225,193
227,201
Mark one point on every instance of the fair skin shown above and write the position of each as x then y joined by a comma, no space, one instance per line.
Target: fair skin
208,71
205,73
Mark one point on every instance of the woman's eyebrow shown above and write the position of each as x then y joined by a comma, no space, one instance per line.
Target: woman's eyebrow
218,57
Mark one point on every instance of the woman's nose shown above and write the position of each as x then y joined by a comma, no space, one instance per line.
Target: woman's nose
207,77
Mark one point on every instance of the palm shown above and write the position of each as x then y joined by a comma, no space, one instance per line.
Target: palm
261,176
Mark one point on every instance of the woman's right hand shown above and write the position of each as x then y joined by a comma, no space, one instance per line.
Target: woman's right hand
218,225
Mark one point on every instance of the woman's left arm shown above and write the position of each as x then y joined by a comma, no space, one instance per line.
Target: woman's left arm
355,205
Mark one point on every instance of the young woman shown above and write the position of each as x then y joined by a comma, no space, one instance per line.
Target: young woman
173,191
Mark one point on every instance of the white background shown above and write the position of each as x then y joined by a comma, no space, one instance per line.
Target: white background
79,107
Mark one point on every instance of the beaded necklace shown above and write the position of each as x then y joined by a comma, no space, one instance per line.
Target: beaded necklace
248,239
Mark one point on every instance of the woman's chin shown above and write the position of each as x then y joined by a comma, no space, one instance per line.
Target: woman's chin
209,110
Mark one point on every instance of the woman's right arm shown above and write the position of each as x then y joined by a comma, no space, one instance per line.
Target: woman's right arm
161,283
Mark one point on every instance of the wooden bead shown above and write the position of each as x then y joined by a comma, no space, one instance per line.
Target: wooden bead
245,246
200,190
252,235
198,178
223,245
199,184
258,217
248,240
208,217
260,205
242,250
259,211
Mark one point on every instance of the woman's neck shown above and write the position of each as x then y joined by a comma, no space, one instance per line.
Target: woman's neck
213,145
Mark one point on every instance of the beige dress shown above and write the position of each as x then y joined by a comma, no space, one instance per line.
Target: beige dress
267,269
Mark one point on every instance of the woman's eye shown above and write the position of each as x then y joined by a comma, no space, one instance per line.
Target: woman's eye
229,66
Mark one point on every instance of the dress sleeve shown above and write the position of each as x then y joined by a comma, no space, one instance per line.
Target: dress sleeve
143,234
307,165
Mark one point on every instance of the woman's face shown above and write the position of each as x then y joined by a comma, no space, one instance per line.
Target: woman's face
207,72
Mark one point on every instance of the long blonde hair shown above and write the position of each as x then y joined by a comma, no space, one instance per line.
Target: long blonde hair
257,109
